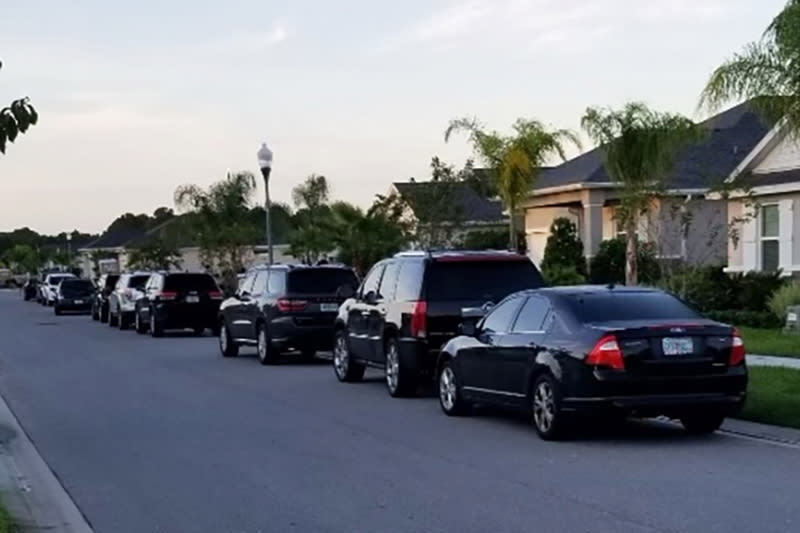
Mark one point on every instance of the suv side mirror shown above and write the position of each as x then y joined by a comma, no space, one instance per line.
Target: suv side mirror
371,298
244,296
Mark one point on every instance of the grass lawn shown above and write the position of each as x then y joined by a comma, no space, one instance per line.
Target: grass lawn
6,524
770,342
773,396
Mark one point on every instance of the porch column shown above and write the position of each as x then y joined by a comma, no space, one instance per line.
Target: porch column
592,229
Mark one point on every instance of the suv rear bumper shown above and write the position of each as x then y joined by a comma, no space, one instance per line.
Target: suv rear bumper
285,333
417,350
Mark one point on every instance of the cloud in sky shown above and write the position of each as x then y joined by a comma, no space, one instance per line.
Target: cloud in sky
545,21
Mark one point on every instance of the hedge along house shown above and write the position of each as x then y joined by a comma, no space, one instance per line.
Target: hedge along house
764,207
685,223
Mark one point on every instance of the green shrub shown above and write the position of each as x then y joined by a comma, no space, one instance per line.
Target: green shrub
608,266
564,249
751,319
784,297
706,288
754,289
562,275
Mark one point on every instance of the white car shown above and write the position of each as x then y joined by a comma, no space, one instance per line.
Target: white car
122,300
50,286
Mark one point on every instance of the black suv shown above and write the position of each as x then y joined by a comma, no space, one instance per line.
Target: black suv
285,307
410,305
178,301
105,285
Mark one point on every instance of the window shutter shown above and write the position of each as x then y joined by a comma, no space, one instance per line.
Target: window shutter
786,224
749,245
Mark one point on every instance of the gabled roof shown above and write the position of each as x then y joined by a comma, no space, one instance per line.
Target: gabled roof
731,136
472,206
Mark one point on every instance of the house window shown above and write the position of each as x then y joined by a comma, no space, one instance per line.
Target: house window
770,245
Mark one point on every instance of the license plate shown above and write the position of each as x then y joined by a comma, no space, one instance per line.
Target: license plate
328,308
192,299
78,302
682,346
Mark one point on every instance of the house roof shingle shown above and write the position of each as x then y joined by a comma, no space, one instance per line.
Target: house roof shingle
473,206
731,136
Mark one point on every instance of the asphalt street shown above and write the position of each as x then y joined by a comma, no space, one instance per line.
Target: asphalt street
164,435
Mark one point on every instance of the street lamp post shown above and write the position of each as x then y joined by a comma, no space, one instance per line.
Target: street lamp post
69,249
265,163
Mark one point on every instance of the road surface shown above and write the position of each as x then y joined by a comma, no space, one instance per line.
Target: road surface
164,435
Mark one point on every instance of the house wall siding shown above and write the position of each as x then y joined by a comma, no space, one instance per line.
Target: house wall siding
747,256
785,156
537,227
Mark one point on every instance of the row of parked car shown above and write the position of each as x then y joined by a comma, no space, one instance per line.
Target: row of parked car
480,325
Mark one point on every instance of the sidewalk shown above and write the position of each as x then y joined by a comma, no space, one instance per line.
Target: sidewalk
771,360
31,493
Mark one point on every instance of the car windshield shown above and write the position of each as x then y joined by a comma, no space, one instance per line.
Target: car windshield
629,306
138,282
479,280
185,282
320,280
55,280
78,287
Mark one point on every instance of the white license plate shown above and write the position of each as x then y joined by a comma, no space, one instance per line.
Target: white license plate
78,302
680,346
192,299
328,308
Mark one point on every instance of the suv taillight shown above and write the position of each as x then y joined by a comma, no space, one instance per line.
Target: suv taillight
737,350
606,353
215,295
291,306
419,319
167,295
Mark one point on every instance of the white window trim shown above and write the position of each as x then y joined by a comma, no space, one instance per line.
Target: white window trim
760,234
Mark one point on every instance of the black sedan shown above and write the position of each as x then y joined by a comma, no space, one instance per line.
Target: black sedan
559,353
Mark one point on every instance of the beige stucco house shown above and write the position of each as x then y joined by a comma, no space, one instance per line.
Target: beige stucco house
688,223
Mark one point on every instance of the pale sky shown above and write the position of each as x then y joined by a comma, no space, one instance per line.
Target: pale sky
136,98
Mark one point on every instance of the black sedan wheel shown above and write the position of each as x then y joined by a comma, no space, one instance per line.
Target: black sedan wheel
449,392
702,423
347,370
227,347
546,406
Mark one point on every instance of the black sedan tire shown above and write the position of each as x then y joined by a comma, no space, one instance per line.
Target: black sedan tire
702,423
346,370
227,347
450,398
545,398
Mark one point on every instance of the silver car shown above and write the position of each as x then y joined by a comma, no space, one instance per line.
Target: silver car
122,300
50,286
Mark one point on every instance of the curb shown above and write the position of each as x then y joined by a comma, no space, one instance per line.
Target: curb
754,430
30,491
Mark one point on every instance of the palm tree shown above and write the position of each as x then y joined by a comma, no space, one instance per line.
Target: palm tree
765,71
220,218
514,160
639,148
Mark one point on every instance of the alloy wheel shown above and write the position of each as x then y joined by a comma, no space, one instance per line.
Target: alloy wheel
447,389
544,407
223,339
262,344
137,323
152,322
392,367
341,357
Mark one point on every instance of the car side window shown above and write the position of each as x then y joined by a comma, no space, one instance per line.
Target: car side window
276,284
372,281
409,282
499,319
532,316
260,283
389,281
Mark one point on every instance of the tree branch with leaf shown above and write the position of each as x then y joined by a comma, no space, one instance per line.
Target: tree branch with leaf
15,119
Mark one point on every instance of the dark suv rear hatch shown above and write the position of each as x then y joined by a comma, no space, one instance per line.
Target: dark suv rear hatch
456,283
313,295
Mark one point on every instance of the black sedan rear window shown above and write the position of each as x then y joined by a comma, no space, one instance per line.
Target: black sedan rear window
195,282
622,306
480,280
320,280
